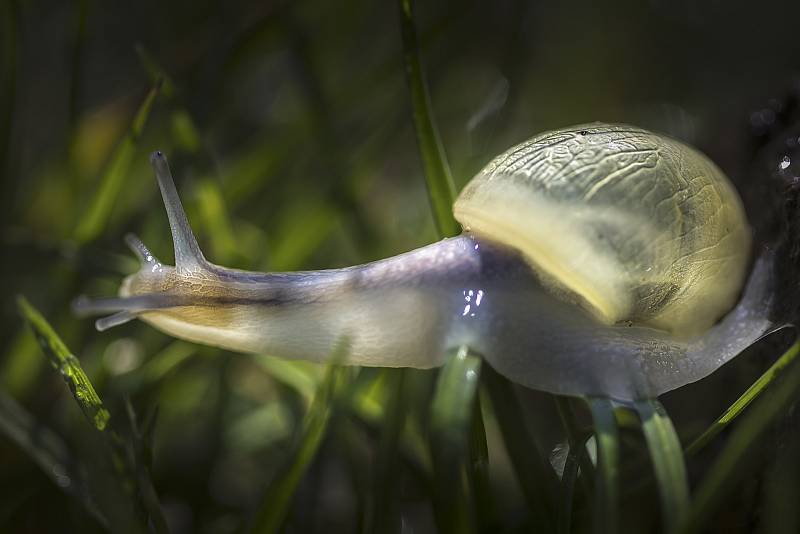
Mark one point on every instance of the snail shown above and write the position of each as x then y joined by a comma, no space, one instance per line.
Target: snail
595,260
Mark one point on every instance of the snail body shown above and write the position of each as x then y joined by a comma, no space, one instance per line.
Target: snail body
595,261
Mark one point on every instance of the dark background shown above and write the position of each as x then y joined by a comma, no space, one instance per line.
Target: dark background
289,129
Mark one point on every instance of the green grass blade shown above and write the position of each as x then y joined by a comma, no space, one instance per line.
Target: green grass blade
302,228
92,224
535,475
728,468
217,222
154,71
667,457
441,190
21,365
280,493
479,469
371,405
567,490
165,361
118,465
576,439
67,364
303,377
753,392
606,501
183,129
140,458
382,514
451,414
455,403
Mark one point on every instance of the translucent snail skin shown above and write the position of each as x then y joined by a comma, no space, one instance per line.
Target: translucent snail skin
596,260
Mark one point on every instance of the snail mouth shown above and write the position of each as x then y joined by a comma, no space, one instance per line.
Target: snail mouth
144,291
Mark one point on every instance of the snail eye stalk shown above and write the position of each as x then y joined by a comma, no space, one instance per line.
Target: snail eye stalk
188,256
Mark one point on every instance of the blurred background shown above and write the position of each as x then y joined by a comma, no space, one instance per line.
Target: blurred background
288,126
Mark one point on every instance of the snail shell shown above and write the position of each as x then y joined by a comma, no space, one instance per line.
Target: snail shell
634,226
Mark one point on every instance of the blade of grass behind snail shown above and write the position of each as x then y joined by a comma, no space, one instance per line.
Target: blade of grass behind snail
668,462
381,513
441,190
93,219
739,405
451,413
458,378
123,490
533,471
67,364
277,499
606,493
730,466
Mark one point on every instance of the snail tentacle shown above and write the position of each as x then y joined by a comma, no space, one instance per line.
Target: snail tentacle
188,256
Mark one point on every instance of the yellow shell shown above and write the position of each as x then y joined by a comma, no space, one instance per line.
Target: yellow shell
634,226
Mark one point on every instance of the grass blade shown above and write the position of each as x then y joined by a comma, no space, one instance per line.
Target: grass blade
217,222
571,467
279,495
535,475
576,439
154,71
381,513
451,413
667,456
21,365
67,364
606,480
164,362
458,379
753,392
141,459
90,225
479,469
727,469
303,377
441,190
119,458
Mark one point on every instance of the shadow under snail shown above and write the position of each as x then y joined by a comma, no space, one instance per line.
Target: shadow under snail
595,260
